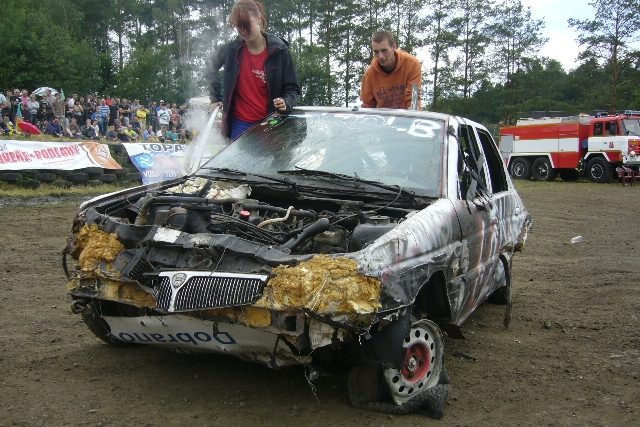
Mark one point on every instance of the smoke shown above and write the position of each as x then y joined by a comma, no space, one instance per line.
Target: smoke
209,138
211,34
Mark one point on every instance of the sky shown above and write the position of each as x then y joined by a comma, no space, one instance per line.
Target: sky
562,44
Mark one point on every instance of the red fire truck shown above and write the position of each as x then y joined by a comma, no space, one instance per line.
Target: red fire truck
568,146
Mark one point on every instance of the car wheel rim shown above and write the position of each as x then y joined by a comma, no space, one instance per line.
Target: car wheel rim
596,171
423,350
518,169
543,171
417,363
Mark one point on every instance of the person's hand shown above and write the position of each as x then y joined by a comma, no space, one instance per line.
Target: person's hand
280,104
214,105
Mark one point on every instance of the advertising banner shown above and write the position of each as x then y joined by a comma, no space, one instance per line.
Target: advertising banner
20,155
158,162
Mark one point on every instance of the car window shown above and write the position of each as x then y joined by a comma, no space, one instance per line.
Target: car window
597,129
397,150
471,174
611,128
494,162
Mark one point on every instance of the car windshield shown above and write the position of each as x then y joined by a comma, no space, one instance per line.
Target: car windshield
395,150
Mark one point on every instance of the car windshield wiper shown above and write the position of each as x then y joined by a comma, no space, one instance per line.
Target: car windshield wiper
224,170
355,179
310,172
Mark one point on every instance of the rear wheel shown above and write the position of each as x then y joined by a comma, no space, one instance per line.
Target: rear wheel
598,170
542,170
520,168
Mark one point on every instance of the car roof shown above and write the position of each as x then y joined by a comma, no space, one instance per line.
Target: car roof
391,112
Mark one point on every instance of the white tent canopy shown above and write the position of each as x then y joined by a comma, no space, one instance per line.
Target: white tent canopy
43,91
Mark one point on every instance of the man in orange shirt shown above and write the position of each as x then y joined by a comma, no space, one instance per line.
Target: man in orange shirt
392,75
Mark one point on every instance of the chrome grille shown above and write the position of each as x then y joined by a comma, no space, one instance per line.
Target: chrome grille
214,290
164,293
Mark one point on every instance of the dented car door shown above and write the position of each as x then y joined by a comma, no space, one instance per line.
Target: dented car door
476,211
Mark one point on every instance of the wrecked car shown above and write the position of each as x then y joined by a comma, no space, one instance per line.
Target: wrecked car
324,236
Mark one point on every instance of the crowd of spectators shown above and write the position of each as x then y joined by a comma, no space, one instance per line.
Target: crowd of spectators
94,117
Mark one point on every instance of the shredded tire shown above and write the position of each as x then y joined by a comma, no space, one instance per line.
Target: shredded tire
78,178
45,177
366,391
10,176
61,183
107,178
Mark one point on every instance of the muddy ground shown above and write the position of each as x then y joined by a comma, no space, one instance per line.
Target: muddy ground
571,356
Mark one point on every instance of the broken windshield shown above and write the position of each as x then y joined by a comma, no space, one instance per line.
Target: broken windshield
395,150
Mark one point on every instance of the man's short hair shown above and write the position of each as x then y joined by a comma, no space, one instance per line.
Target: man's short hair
381,35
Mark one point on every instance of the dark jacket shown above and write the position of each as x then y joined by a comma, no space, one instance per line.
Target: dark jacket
53,129
282,81
89,132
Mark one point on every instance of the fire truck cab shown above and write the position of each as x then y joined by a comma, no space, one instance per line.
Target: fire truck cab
568,146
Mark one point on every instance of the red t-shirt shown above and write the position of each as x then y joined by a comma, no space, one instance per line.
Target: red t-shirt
251,87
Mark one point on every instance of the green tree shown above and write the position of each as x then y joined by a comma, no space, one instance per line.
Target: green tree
472,25
314,80
441,40
409,23
38,49
352,48
517,38
606,39
137,78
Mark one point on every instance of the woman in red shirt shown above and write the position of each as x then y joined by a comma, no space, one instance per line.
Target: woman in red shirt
259,76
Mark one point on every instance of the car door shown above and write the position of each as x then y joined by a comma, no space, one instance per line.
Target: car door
477,213
507,209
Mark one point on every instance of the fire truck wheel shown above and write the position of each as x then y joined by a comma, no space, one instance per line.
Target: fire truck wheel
542,170
569,174
598,170
520,168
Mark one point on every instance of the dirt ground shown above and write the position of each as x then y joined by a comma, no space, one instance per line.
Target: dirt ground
571,355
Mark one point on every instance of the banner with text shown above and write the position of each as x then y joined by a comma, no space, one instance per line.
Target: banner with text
158,162
19,155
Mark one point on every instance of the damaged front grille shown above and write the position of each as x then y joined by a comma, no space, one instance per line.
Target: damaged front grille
134,264
196,290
